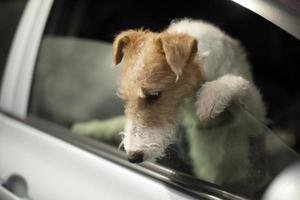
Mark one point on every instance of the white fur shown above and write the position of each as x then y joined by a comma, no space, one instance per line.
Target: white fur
221,53
152,141
225,69
219,151
215,96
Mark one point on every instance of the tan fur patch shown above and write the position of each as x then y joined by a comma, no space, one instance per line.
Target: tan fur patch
152,62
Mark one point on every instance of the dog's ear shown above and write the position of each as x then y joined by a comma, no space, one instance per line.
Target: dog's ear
178,49
120,43
118,46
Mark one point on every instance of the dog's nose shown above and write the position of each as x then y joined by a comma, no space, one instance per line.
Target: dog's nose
135,157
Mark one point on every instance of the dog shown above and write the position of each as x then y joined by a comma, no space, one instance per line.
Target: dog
192,74
161,69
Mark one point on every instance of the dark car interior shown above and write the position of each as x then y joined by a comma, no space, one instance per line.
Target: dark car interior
8,10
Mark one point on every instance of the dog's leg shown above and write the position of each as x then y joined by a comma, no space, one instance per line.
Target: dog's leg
223,153
215,96
103,130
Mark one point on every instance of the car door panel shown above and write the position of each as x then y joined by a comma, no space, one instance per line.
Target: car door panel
55,169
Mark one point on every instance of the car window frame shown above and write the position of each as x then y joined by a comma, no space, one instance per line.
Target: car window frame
18,108
282,15
14,94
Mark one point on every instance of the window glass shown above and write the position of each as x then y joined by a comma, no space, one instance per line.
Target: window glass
10,13
75,86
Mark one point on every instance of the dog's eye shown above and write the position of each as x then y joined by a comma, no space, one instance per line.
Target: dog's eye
153,96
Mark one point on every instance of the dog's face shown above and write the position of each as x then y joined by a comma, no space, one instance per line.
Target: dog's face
159,70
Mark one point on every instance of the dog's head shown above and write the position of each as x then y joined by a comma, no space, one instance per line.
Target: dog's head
159,70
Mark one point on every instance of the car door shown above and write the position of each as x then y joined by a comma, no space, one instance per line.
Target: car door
58,75
45,166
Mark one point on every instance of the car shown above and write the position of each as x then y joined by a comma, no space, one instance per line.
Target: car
55,68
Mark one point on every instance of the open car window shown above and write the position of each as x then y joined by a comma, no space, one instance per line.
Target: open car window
74,88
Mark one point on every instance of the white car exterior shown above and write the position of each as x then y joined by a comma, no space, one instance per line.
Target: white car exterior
55,169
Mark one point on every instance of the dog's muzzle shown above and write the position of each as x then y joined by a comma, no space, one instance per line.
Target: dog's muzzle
135,157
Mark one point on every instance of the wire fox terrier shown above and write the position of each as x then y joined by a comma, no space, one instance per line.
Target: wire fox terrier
191,58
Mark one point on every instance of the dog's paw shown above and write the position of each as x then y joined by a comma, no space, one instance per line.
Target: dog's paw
215,96
210,102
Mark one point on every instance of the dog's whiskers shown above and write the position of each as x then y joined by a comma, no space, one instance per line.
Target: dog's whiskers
122,141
